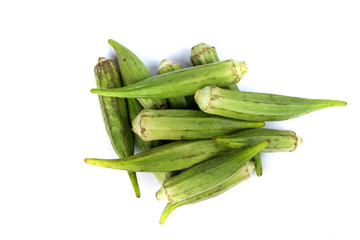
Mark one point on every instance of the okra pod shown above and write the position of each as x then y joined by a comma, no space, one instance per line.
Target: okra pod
181,82
206,175
168,66
115,114
169,157
204,54
133,70
251,106
281,140
184,124
241,175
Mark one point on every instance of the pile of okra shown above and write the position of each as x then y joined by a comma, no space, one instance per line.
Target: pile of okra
197,132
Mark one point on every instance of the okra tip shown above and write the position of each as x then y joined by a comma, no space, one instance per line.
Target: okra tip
103,92
112,42
89,160
340,103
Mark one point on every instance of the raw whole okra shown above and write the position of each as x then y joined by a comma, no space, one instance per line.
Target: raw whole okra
206,175
181,82
241,175
115,114
251,106
184,124
168,157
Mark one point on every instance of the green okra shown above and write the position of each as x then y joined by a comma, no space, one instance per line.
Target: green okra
115,114
168,66
281,140
241,175
133,70
168,157
185,124
181,82
251,106
258,164
203,53
206,175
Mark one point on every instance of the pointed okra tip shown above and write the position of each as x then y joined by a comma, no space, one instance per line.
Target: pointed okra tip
91,161
112,42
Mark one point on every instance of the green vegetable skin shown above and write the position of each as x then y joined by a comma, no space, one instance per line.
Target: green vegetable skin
206,175
280,140
204,54
168,66
115,114
175,103
133,70
169,157
204,168
251,106
181,82
241,175
176,124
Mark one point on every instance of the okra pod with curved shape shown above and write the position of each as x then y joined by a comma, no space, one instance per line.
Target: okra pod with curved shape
206,175
251,106
169,157
115,114
241,175
181,82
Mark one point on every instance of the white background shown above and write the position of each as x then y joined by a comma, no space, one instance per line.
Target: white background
50,121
